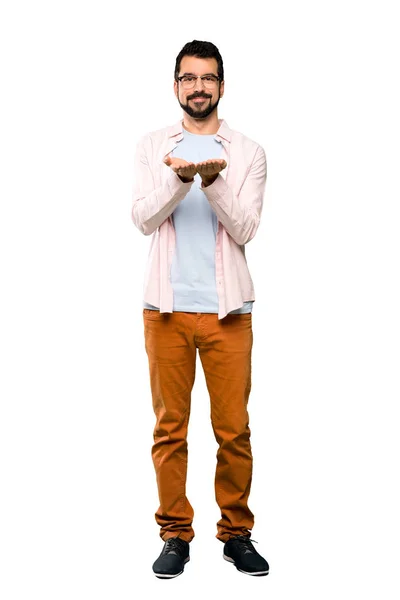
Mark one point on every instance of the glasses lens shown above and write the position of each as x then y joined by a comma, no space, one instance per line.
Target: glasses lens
188,82
210,81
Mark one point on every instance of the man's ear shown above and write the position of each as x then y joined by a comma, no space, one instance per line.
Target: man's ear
176,88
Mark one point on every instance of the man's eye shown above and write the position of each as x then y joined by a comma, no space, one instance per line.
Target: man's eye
188,79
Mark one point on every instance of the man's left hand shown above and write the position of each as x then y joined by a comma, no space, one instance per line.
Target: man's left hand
209,169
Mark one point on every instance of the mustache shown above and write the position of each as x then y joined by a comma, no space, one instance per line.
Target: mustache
199,96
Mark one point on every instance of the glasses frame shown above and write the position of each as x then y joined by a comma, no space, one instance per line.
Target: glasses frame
196,77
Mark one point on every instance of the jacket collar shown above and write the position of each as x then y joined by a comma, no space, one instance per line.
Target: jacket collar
224,132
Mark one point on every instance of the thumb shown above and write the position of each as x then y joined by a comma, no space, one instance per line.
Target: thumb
167,160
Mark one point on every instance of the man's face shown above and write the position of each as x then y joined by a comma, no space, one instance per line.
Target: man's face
210,96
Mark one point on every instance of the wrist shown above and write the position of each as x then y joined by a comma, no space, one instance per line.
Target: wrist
185,179
209,180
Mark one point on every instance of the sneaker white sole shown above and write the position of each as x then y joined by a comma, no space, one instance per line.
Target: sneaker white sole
168,575
229,559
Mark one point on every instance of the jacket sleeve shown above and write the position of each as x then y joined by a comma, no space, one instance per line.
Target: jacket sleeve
152,205
240,214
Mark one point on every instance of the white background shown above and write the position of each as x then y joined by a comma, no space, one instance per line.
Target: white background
316,84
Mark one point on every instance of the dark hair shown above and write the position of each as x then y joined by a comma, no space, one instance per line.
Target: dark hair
200,50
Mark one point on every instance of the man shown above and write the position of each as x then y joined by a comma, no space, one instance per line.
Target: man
199,188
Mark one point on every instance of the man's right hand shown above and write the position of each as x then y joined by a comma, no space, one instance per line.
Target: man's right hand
185,170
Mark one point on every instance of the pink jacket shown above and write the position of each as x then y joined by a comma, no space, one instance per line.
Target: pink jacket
236,196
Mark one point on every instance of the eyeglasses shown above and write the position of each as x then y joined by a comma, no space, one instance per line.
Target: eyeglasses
189,81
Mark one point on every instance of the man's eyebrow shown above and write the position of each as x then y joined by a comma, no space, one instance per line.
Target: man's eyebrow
194,74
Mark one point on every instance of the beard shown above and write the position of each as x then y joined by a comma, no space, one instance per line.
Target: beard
197,112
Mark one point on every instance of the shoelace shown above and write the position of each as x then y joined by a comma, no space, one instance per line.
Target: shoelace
173,545
245,544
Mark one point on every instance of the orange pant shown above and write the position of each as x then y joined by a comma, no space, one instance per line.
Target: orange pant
225,348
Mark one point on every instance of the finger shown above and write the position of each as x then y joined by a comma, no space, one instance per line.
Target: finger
220,164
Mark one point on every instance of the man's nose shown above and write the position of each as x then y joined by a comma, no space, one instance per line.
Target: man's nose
199,85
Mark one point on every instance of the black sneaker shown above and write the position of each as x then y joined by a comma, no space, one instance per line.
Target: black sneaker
240,551
172,559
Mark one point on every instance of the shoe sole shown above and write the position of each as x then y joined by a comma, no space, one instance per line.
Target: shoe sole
256,573
168,575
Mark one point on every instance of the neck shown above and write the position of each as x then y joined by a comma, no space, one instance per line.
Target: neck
207,126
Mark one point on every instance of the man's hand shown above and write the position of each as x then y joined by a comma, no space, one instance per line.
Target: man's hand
209,169
185,170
